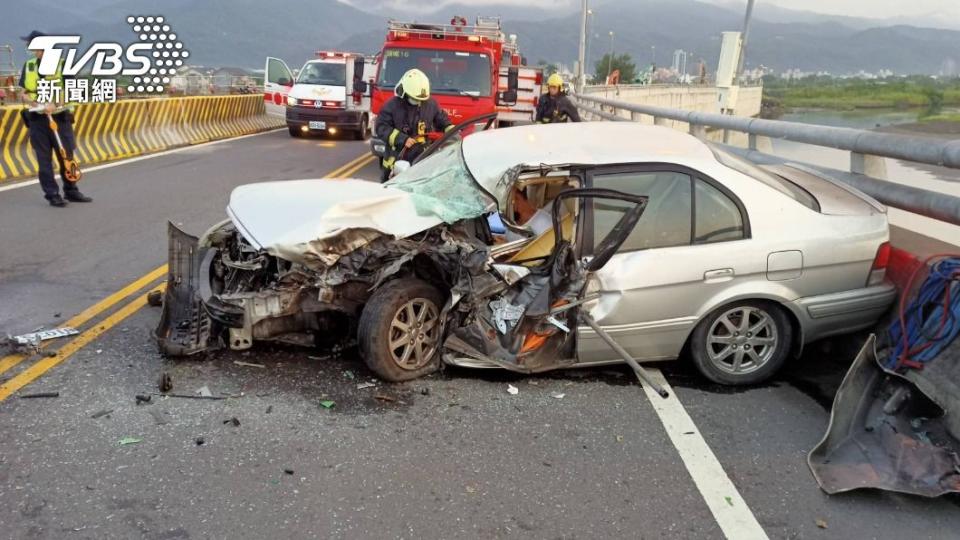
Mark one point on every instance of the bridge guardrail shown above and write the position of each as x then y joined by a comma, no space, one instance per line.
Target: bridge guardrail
867,150
107,131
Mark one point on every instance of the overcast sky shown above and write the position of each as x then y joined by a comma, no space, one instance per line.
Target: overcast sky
855,8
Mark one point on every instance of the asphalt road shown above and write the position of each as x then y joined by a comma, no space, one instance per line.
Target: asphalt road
452,455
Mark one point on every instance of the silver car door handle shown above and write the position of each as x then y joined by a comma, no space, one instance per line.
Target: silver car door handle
720,274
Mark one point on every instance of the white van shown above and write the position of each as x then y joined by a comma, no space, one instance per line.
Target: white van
330,94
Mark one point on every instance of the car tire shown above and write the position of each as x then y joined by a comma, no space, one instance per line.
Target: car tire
393,310
363,133
294,132
727,350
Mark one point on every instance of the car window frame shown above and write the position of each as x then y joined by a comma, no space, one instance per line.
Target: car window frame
589,174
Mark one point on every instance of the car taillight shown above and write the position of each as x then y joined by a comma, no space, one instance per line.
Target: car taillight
879,270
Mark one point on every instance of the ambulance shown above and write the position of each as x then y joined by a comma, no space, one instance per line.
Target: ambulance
330,94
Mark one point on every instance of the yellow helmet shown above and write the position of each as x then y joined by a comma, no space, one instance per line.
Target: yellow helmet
555,80
414,85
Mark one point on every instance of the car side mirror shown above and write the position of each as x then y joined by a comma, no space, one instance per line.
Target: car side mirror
507,98
378,147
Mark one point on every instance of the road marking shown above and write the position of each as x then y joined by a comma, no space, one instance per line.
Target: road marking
46,364
361,164
11,361
724,501
26,183
350,166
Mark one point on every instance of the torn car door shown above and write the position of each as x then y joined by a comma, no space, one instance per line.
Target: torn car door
527,324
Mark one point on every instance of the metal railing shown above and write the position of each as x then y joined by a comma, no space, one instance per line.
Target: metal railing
867,150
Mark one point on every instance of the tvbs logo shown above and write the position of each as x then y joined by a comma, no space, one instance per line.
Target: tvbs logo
152,61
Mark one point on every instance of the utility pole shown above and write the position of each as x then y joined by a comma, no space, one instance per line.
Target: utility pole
743,40
586,56
581,75
610,61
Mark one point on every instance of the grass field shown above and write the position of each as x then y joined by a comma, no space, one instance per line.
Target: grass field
902,93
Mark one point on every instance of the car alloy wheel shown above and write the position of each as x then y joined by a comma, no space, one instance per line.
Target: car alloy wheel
742,340
414,334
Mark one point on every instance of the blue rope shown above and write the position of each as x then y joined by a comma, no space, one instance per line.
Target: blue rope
925,315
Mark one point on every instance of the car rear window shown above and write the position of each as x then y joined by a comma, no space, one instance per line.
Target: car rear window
778,183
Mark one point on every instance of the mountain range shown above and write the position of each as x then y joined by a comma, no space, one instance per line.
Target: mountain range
243,32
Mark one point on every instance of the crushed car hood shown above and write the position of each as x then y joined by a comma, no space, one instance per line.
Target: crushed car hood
315,222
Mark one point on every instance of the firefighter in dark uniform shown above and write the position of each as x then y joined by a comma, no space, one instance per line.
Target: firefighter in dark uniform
555,106
406,119
41,137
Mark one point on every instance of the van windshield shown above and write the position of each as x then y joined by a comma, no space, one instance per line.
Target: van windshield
323,73
450,72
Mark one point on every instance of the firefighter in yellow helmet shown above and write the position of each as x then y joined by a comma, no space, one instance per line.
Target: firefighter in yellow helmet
555,106
405,120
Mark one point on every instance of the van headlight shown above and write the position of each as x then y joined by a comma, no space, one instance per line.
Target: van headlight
291,101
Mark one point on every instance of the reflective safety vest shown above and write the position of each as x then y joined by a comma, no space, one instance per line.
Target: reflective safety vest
32,77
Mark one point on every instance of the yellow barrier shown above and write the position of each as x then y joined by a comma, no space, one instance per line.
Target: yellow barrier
107,131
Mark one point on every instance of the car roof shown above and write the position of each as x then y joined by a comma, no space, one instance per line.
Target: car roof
489,154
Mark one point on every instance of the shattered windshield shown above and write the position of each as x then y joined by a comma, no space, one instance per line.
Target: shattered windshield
441,185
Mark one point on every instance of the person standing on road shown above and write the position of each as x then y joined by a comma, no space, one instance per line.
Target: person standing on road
555,106
406,119
41,136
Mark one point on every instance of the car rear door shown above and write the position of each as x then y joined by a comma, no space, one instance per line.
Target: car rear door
691,244
277,81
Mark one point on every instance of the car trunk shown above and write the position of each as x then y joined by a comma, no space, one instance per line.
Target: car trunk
833,198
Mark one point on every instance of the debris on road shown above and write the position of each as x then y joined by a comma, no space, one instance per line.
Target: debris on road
729,500
893,430
512,390
384,397
158,418
189,396
165,384
269,409
234,420
41,395
143,398
31,342
364,385
327,404
425,391
200,441
155,298
249,364
821,523
204,391
288,471
557,395
101,413
130,440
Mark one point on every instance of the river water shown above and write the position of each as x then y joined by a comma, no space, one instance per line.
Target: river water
938,179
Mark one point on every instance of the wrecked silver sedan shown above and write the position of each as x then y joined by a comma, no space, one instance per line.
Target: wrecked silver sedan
536,248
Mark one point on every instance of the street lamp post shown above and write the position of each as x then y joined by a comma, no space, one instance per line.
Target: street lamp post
586,56
610,58
581,73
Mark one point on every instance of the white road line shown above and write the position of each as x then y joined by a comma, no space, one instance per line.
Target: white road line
86,170
724,501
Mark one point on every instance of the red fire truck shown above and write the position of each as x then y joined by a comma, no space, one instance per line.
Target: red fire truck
473,70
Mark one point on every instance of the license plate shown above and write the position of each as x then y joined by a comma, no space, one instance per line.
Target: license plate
318,125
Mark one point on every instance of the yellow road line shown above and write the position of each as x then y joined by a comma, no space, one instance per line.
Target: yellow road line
11,361
30,374
347,166
361,164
